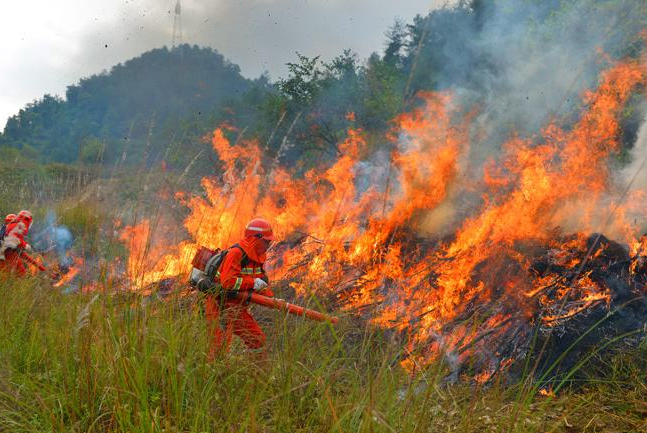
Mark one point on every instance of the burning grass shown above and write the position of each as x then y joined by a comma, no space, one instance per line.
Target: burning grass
102,362
357,230
446,281
451,268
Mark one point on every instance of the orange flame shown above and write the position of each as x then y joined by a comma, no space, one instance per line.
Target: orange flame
356,228
71,273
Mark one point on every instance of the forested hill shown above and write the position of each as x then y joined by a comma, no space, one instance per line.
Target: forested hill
103,112
516,63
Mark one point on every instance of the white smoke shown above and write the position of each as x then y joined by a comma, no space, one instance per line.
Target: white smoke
525,65
636,172
49,235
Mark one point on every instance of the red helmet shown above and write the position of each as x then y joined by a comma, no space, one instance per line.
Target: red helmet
10,218
260,228
25,216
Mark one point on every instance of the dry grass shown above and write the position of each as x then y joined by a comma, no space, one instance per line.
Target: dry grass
113,363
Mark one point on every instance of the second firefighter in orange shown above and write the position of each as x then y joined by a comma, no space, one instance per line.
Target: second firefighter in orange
13,243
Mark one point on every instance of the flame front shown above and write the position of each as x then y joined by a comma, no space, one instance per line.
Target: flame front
415,239
72,272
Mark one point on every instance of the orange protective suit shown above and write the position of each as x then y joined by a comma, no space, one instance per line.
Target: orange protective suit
12,245
238,272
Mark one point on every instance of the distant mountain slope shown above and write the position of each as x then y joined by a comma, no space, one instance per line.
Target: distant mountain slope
159,86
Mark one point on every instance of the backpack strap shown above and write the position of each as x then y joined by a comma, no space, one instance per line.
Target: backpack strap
244,261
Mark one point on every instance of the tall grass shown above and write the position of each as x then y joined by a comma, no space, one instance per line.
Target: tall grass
106,362
102,362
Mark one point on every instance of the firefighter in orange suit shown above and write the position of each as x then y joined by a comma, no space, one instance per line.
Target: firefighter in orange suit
241,271
13,243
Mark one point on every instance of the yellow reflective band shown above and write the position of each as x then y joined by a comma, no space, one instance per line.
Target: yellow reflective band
239,282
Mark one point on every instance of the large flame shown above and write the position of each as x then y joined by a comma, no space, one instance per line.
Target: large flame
371,228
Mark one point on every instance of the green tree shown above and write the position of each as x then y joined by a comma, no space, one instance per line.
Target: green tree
92,150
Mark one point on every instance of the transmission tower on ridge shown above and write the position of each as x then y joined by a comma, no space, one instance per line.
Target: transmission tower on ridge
177,25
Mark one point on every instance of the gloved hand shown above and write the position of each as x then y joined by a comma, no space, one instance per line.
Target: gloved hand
28,248
259,284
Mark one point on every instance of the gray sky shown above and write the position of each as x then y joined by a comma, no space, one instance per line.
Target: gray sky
49,44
